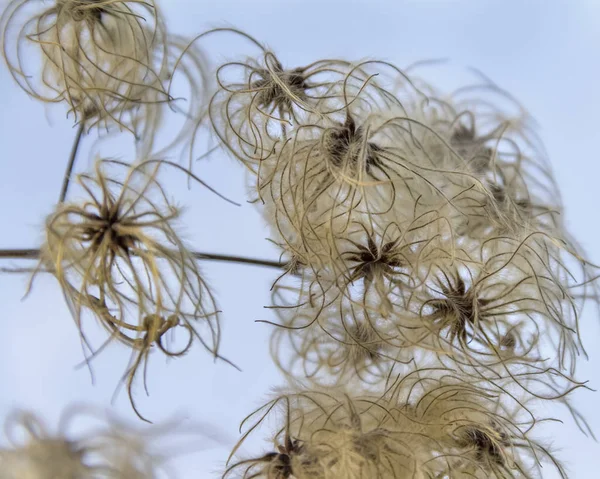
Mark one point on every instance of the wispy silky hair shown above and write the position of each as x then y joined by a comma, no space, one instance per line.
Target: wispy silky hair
429,423
190,71
252,115
327,433
117,255
479,432
329,183
513,307
369,267
334,350
104,58
341,319
498,139
309,197
259,101
507,312
126,452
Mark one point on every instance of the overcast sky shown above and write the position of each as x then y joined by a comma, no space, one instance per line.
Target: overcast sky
544,52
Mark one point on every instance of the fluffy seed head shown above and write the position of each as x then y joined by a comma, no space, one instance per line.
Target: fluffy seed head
104,58
116,254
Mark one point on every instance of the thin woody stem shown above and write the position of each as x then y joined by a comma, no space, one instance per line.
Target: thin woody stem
20,253
71,164
239,259
35,254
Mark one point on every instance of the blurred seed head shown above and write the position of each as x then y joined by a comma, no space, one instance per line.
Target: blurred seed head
89,444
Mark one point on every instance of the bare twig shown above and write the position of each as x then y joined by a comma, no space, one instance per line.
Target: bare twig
35,254
71,164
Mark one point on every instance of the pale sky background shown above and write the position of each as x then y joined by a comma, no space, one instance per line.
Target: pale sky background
543,52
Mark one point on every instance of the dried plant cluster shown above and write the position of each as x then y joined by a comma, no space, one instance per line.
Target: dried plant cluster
430,300
421,427
108,450
117,256
110,61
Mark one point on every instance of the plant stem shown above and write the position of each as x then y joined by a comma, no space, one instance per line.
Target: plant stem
20,253
239,259
35,254
71,164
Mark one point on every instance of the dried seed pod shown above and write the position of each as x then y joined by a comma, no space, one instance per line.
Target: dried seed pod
106,59
116,255
328,183
477,431
486,317
329,434
250,117
310,193
429,423
481,315
522,198
251,114
358,296
259,101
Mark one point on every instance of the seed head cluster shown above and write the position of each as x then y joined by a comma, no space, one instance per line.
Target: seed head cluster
424,232
428,308
118,258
